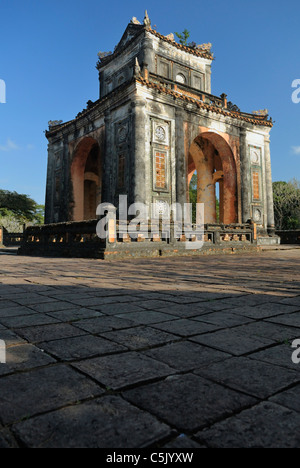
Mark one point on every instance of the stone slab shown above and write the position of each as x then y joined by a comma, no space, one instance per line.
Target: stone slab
26,394
79,347
120,308
10,337
183,442
185,327
255,378
223,319
264,310
107,422
147,317
104,324
271,331
266,425
123,370
139,338
185,310
289,398
292,320
52,306
188,402
6,439
280,355
15,311
24,357
24,321
72,315
50,332
186,356
232,341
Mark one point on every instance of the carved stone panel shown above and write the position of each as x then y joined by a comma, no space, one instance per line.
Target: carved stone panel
255,156
160,133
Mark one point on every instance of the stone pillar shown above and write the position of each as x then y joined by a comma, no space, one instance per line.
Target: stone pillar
50,188
65,183
245,177
107,160
181,169
138,143
269,189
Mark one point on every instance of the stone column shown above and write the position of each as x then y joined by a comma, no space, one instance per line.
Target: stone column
65,181
245,177
49,216
138,145
107,160
181,169
269,189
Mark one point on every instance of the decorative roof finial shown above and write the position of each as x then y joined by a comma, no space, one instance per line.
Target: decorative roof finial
134,20
137,68
147,21
54,123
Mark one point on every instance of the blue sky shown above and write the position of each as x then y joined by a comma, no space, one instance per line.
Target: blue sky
48,53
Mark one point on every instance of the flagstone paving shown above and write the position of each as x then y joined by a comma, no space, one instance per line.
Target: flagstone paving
150,353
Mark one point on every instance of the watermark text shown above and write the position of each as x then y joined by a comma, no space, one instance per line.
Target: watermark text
296,354
2,352
156,220
296,92
2,92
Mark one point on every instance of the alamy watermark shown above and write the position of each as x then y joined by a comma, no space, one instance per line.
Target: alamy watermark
2,352
2,92
296,92
153,220
296,354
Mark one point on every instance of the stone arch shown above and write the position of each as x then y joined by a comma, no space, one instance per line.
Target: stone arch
86,176
212,158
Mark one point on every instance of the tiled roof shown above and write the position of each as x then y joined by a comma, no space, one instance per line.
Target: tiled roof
187,97
190,50
249,118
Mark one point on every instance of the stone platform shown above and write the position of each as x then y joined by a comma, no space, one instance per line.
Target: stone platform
159,353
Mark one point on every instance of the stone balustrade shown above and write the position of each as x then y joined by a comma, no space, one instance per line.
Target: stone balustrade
80,239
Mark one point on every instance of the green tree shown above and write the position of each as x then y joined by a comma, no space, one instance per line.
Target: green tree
17,209
183,37
286,204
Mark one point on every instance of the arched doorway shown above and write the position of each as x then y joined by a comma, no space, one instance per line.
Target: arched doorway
212,159
86,174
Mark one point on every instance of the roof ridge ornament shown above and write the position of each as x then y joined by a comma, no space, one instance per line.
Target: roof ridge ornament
147,21
134,20
54,123
205,47
102,55
262,112
171,37
137,68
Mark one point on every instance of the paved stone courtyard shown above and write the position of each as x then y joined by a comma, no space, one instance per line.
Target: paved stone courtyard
173,353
